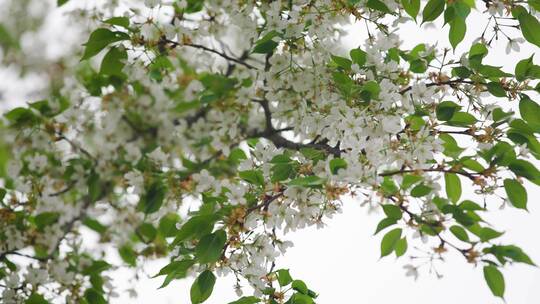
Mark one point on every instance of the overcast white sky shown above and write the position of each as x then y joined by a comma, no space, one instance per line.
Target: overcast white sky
341,262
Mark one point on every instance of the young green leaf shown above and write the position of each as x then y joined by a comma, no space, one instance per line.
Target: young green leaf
378,5
119,21
209,248
202,287
358,56
401,247
530,112
113,62
530,27
458,28
494,280
411,7
153,198
284,277
432,10
36,298
246,300
100,39
525,169
453,186
384,223
336,164
459,233
516,193
389,241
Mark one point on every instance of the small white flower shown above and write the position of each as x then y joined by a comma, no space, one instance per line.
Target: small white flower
513,45
236,195
158,156
391,124
204,180
412,271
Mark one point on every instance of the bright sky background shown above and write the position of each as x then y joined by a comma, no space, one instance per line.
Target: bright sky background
341,261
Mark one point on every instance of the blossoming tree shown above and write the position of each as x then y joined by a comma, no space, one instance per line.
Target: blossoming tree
203,131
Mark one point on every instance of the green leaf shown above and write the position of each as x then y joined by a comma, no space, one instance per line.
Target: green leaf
420,190
93,296
446,109
469,205
450,145
378,5
146,232
526,69
175,270
460,233
535,4
358,56
494,280
343,63
300,286
401,247
411,7
36,298
484,233
202,287
128,255
265,44
516,193
476,53
313,154
461,72
196,226
19,117
281,172
462,119
153,198
472,164
490,71
389,241
246,300
119,21
209,248
432,10
496,89
453,186
384,223
167,224
530,112
284,277
336,164
96,267
45,219
100,39
370,90
525,169
94,187
94,225
388,186
113,62
392,211
254,177
61,2
511,252
308,181
281,159
530,27
409,180
458,28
